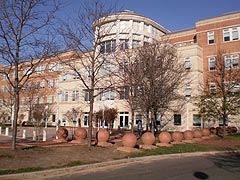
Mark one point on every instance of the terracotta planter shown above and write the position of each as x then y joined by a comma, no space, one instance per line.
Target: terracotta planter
177,136
103,135
129,140
213,130
188,135
148,138
205,132
164,137
197,134
80,133
62,133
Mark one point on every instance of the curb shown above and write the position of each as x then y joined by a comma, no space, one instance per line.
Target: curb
115,164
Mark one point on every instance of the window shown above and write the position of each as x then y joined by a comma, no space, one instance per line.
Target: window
86,95
212,88
108,46
85,119
53,67
64,76
138,118
187,62
49,99
136,43
123,44
55,99
226,35
123,66
41,69
231,61
196,120
64,96
212,63
210,37
50,83
235,35
124,93
106,69
233,87
36,85
107,95
188,90
75,95
177,119
231,34
42,84
40,100
75,75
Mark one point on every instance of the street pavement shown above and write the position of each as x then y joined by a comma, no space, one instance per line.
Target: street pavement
186,166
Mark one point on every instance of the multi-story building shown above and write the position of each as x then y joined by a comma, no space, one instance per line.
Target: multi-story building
197,48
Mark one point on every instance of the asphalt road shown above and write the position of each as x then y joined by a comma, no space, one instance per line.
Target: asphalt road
215,167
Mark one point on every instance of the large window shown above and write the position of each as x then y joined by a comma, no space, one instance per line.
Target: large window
231,34
231,60
196,120
108,46
107,94
212,63
177,119
210,37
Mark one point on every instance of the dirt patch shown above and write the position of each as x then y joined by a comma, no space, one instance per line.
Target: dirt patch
56,156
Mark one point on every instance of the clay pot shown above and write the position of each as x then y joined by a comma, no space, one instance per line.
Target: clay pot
129,140
205,132
188,135
80,133
213,130
197,134
177,136
164,137
62,133
103,135
148,138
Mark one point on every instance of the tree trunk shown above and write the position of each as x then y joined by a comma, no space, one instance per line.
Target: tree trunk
16,110
132,120
90,118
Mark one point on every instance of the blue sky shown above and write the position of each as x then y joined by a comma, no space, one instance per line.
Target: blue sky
172,14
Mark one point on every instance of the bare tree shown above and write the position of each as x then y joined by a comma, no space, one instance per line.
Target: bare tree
128,80
221,94
40,114
161,75
25,37
86,35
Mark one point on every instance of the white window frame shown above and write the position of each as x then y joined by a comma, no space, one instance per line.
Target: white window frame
212,60
75,95
211,39
187,63
231,61
64,96
231,34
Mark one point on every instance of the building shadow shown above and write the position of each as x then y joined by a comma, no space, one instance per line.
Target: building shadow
229,161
